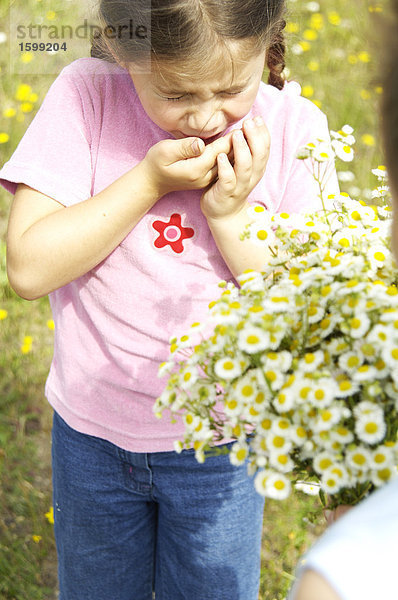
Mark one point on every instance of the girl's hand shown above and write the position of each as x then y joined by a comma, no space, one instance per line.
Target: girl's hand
227,196
185,164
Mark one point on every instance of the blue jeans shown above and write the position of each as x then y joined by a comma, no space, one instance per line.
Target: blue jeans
128,524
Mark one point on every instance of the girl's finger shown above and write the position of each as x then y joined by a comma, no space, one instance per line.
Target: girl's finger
210,176
259,142
226,173
242,158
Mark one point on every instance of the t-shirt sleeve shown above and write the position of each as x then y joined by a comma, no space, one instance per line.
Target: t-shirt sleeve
301,193
54,155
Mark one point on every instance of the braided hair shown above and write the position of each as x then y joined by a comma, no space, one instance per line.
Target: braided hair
276,58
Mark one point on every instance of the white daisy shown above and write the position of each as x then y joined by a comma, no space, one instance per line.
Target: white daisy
337,346
277,360
284,400
378,255
238,454
380,172
261,233
315,313
382,456
311,361
328,324
381,476
390,355
190,421
342,434
278,442
365,373
322,392
281,426
358,458
378,335
367,408
277,300
188,377
227,368
232,407
330,482
340,471
343,239
245,389
350,362
343,150
346,387
274,378
281,461
277,486
323,461
323,152
311,488
327,418
258,211
371,428
253,340
357,326
298,435
264,427
178,446
260,480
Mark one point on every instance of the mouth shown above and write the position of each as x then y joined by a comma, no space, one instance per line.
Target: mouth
207,139
212,138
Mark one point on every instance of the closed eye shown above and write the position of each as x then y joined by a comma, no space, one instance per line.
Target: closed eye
232,93
173,99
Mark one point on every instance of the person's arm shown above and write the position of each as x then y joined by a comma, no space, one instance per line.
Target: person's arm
238,254
313,586
49,245
225,204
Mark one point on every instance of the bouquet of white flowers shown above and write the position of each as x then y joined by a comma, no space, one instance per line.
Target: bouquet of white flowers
300,364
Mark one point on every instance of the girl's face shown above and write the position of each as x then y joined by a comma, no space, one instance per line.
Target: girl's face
185,105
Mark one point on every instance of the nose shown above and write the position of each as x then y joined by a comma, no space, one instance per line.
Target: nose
205,117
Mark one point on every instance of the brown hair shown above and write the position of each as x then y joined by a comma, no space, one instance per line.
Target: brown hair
188,31
389,103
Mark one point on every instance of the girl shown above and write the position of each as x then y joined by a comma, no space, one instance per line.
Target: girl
131,191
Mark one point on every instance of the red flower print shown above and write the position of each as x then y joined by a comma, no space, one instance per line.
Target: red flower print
172,233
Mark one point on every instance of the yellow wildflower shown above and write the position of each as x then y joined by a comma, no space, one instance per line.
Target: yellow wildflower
365,94
292,27
9,112
310,35
26,107
27,57
313,65
368,139
304,45
316,21
27,344
307,91
364,57
23,92
334,18
50,515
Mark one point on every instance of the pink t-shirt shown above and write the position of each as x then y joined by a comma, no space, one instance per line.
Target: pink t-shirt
113,325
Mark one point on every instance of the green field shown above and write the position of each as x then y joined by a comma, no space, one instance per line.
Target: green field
332,56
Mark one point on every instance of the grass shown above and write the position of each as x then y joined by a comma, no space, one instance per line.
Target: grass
331,56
